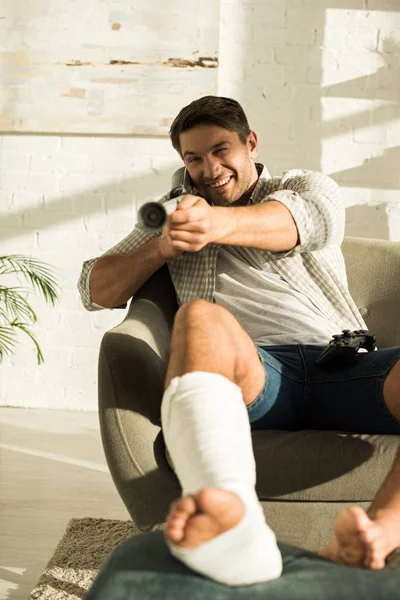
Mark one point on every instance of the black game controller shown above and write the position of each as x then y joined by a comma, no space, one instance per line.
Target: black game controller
343,348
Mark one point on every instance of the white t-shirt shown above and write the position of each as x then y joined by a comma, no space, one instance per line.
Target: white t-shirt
268,309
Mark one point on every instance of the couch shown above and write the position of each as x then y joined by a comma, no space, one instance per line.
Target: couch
304,478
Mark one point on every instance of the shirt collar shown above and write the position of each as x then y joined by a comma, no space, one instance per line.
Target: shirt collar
263,174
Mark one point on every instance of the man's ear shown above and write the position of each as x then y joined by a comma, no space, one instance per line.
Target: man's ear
252,144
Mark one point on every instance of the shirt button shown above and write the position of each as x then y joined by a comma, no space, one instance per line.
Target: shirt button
211,271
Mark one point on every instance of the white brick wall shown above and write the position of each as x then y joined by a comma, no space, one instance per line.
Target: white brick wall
64,200
321,88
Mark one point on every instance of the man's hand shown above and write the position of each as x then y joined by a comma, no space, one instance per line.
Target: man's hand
167,249
194,224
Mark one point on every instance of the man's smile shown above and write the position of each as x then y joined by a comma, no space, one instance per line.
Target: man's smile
221,184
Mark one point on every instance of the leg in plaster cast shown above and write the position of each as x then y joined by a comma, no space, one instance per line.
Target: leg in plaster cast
217,528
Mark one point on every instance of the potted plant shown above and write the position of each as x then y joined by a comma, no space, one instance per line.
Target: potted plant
16,313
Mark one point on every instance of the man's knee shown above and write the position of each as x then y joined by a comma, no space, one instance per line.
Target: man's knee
193,307
201,312
204,323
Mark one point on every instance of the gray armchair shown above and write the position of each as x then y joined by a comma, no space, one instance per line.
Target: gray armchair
304,479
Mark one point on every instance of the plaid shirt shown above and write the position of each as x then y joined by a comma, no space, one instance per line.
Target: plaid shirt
315,267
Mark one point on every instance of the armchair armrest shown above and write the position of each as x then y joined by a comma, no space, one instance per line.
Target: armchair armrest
131,374
373,274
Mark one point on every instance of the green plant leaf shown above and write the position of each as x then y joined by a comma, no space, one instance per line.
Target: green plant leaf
15,310
24,327
39,274
7,340
13,304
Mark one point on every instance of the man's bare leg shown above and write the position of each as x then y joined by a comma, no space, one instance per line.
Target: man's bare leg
206,337
365,539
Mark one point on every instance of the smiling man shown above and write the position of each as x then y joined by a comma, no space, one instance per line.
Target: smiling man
221,166
260,279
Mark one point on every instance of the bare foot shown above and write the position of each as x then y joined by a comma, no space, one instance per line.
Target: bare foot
193,520
362,542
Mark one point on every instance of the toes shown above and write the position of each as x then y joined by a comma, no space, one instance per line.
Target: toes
375,558
184,507
174,529
175,535
370,534
361,521
176,521
375,563
179,513
361,541
349,527
171,510
375,547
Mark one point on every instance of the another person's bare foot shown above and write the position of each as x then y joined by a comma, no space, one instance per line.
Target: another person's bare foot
363,542
195,519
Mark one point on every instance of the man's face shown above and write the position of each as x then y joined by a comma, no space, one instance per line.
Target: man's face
221,167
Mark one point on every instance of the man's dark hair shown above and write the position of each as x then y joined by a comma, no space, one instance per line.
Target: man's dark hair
214,110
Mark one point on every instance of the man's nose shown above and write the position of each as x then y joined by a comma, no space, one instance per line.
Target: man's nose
212,168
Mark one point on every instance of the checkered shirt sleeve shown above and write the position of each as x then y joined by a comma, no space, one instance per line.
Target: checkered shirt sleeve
134,240
316,204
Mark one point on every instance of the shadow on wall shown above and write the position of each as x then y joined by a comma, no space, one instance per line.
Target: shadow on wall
282,91
132,191
367,221
381,172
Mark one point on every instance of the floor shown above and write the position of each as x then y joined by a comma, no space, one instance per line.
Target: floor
52,468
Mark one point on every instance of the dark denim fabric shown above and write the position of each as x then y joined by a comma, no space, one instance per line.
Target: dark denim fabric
142,568
299,395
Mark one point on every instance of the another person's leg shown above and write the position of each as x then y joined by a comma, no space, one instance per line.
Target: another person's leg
142,568
365,539
365,398
218,527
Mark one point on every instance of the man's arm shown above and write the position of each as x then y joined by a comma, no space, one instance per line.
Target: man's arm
110,280
304,213
116,278
267,226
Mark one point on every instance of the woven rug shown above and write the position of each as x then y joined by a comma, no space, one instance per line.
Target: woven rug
78,556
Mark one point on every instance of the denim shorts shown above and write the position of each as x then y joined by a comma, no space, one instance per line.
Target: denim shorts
298,394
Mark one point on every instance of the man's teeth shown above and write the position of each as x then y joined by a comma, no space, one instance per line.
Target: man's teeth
219,183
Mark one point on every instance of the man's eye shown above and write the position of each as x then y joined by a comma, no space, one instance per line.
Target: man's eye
194,159
222,149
